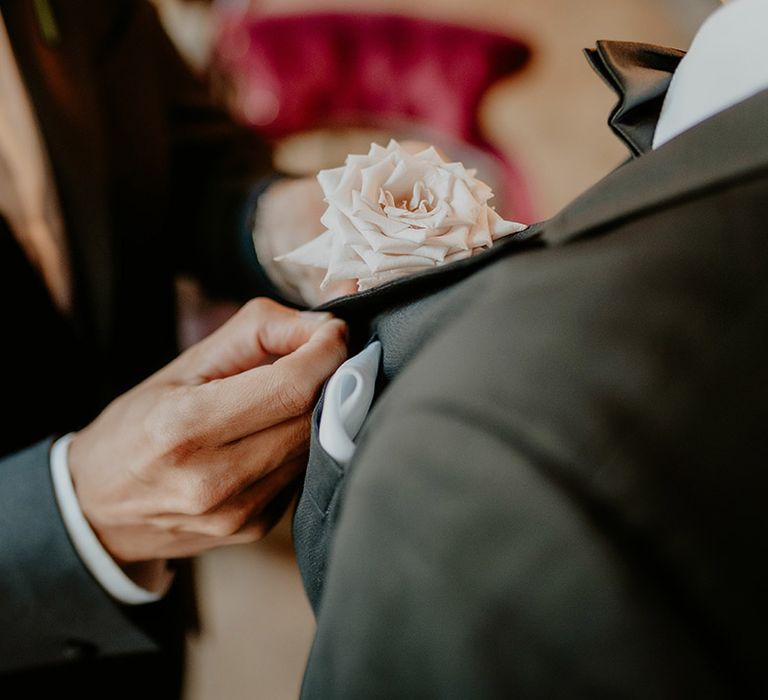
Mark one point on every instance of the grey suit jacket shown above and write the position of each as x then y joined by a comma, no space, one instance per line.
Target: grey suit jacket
560,492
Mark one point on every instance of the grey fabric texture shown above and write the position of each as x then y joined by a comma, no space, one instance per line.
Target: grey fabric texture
560,493
42,611
316,513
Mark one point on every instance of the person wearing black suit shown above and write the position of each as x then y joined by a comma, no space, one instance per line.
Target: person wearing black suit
560,489
114,157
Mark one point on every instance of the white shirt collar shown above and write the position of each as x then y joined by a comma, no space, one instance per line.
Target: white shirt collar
727,63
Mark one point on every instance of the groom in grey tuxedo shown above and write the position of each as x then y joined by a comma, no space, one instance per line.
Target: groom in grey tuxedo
560,491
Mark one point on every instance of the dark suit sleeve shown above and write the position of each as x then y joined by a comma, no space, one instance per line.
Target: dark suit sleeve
218,170
51,609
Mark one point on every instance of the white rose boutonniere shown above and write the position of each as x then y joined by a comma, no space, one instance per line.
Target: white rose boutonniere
392,212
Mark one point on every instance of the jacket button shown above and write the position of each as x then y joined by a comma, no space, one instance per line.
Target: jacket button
78,649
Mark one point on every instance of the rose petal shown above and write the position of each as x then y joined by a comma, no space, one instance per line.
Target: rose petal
455,237
428,221
422,197
365,211
337,221
465,207
373,177
501,227
404,177
344,264
480,234
380,262
440,183
341,197
406,241
314,253
433,252
330,179
430,155
356,161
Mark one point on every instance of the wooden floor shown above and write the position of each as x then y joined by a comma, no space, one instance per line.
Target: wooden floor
257,624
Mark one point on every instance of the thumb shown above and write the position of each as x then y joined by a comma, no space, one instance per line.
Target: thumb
260,398
261,332
321,354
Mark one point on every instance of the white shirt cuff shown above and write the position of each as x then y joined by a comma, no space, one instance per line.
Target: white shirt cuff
96,559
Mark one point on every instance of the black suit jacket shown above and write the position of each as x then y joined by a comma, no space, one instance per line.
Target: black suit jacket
560,491
154,180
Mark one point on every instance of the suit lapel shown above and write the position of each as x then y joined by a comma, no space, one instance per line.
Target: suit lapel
730,145
55,58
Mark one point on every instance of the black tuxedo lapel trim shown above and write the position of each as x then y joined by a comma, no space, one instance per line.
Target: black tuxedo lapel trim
367,304
60,83
640,75
726,147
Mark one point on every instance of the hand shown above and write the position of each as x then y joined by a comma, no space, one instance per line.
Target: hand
288,217
201,453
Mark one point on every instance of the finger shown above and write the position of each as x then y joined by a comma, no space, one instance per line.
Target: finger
178,544
244,462
174,544
260,332
241,511
209,476
261,526
229,409
250,514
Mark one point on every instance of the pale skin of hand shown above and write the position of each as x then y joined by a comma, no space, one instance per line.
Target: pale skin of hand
204,452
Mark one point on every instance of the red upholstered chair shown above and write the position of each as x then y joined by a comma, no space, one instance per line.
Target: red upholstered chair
413,77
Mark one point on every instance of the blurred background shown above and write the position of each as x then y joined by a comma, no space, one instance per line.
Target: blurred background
498,84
